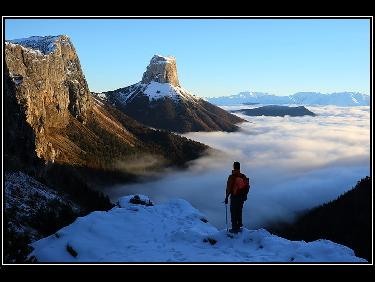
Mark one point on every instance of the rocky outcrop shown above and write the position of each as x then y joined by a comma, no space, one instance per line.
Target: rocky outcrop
159,101
161,69
48,84
19,137
51,116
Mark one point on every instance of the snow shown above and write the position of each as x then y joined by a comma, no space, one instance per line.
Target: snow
21,185
158,59
24,196
173,232
70,67
17,79
42,44
28,50
127,96
344,99
102,96
338,99
156,90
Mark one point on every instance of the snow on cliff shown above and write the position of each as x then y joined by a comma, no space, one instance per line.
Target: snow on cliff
138,231
155,90
159,81
43,44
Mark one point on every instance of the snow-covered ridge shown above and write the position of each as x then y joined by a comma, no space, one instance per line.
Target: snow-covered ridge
154,91
44,44
136,230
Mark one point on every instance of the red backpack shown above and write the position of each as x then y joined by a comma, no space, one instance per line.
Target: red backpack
241,185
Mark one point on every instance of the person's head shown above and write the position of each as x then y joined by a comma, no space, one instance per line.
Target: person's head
236,165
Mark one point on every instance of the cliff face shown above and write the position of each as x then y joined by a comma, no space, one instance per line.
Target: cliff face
161,69
158,100
19,144
51,115
48,84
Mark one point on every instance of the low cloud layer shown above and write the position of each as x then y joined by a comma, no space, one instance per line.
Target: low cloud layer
294,163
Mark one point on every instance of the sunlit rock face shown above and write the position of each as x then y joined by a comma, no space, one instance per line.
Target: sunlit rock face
159,101
161,69
46,78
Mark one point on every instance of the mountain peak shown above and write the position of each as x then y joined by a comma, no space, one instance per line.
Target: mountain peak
159,59
162,69
43,44
160,102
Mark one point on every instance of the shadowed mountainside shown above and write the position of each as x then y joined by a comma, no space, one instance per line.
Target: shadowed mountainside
276,110
346,220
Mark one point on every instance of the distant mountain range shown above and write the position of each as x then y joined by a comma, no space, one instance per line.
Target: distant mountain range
344,99
277,110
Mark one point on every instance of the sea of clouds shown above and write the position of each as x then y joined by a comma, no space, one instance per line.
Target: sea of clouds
294,163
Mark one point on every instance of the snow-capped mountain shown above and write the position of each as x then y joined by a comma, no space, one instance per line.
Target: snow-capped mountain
337,99
136,230
51,115
300,98
249,97
158,100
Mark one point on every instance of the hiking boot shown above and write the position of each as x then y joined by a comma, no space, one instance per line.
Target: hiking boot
235,231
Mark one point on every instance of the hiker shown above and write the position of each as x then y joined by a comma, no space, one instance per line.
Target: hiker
237,187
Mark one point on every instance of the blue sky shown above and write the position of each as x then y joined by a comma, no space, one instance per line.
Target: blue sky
219,57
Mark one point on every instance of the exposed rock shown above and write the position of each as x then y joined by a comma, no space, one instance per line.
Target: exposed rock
51,116
19,137
159,101
161,69
48,84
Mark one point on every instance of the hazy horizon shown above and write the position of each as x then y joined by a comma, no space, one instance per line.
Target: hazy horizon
218,57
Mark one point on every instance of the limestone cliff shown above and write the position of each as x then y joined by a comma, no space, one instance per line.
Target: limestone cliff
158,100
161,69
48,84
51,116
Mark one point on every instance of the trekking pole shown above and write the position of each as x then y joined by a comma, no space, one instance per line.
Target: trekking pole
226,216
